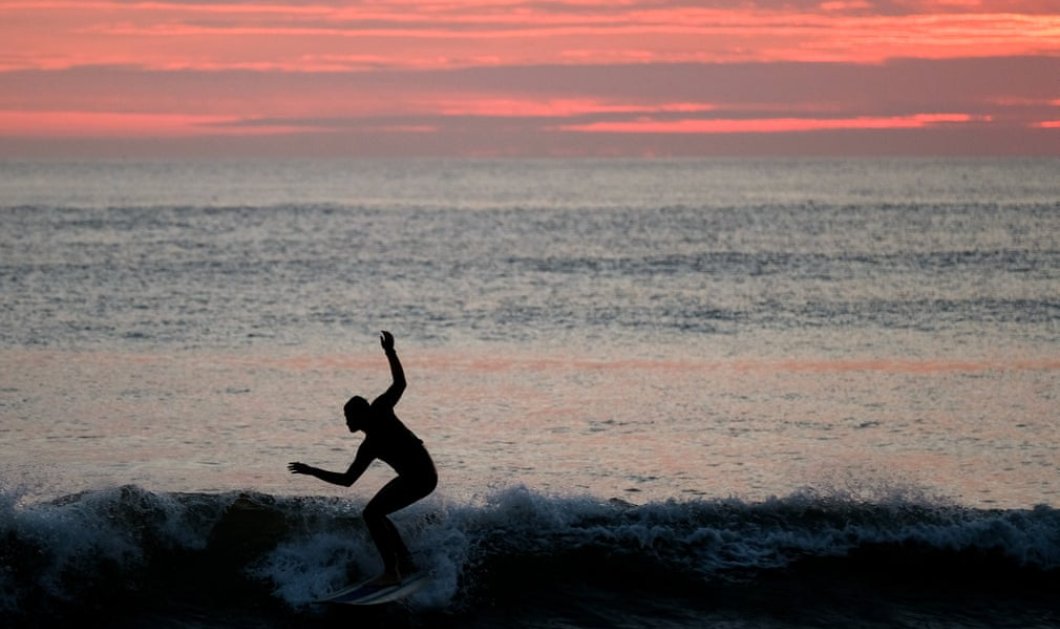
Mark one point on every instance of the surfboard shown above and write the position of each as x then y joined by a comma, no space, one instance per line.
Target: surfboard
368,594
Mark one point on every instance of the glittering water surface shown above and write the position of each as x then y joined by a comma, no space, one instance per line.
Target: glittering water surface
644,330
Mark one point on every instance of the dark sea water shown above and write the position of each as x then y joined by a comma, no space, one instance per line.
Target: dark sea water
722,393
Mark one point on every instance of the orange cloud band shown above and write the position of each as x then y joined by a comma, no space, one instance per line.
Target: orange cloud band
771,125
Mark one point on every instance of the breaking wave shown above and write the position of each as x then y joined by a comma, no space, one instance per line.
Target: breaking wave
126,554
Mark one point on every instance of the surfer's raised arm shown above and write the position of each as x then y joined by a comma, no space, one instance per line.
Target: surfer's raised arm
391,396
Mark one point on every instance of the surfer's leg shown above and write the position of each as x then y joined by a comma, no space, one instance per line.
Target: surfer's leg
397,494
398,549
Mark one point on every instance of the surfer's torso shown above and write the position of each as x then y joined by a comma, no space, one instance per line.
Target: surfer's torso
390,441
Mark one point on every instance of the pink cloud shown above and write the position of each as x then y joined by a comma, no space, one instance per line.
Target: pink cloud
448,34
553,107
770,125
523,73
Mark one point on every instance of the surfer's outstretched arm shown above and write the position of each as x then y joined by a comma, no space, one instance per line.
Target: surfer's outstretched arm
347,478
391,396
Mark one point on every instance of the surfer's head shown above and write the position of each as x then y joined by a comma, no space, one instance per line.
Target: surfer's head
355,411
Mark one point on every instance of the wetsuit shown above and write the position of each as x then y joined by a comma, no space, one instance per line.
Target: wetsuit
388,440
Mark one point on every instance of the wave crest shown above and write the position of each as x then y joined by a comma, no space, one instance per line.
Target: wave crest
87,551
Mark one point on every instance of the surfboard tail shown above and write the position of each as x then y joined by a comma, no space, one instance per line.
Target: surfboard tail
369,594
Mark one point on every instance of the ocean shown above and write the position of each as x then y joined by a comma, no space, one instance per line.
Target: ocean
741,393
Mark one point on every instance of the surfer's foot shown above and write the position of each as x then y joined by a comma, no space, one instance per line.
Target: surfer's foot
406,568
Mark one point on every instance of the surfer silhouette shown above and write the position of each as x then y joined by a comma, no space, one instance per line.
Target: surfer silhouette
386,439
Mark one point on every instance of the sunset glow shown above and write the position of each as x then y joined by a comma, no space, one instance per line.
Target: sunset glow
515,77
770,125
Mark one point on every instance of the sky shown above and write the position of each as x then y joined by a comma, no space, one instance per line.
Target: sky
486,78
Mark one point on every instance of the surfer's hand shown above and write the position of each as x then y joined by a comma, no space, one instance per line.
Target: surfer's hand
298,468
387,339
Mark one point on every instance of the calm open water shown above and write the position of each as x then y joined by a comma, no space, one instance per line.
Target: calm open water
867,330
630,329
